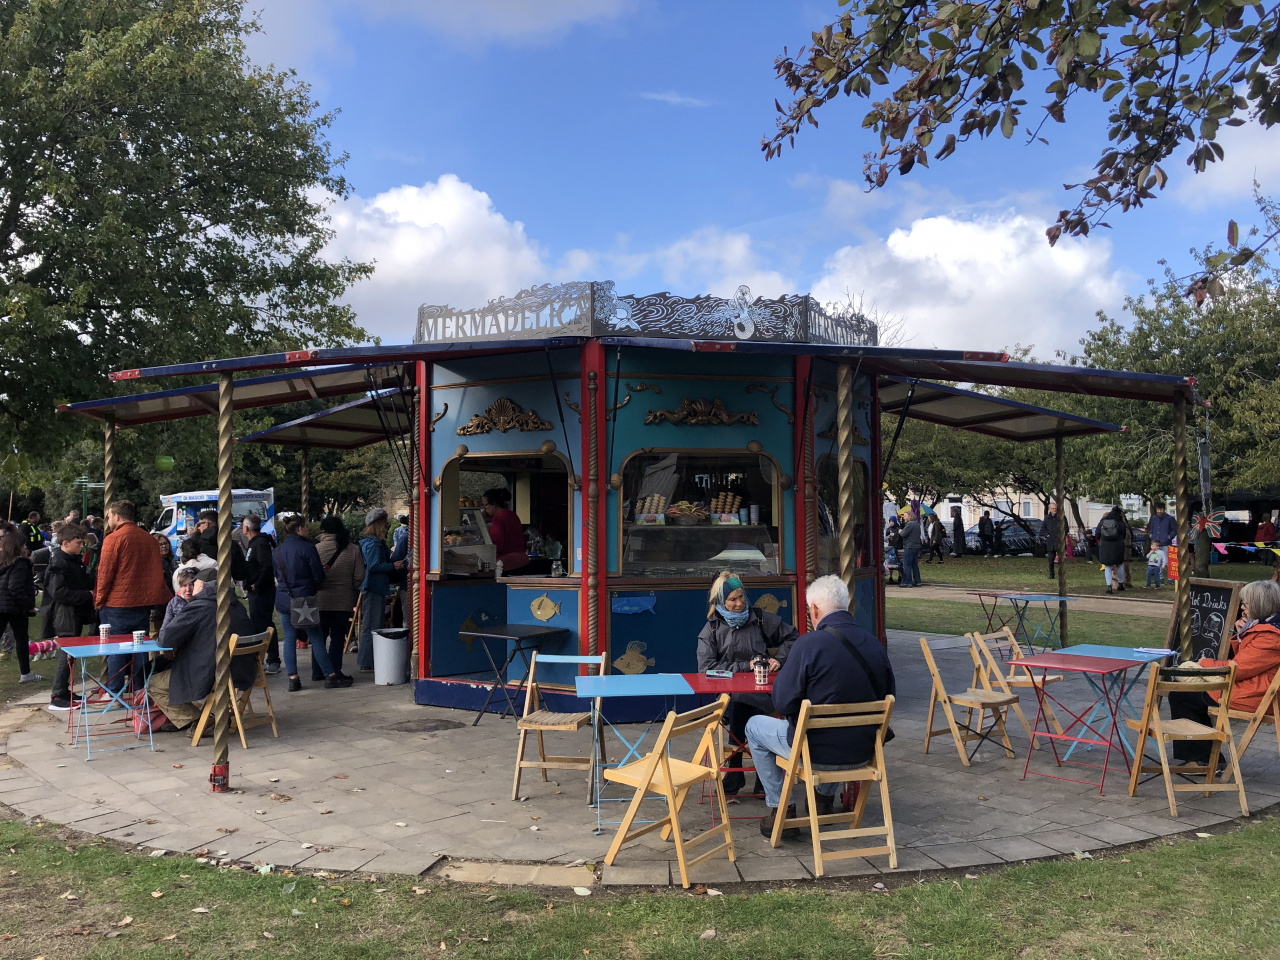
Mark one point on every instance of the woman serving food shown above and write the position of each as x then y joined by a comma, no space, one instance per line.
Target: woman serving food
735,635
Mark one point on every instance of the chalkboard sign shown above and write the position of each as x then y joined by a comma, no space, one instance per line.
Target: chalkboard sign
1215,604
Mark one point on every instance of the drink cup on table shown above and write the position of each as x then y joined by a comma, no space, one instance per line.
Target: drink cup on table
104,631
761,667
139,636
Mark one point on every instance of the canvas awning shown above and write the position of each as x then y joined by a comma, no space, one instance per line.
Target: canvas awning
357,423
982,413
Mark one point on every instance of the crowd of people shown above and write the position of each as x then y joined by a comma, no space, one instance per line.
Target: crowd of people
112,572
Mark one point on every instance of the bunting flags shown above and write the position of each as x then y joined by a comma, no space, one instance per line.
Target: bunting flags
1212,523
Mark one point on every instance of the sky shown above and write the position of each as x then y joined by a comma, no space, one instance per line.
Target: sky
496,144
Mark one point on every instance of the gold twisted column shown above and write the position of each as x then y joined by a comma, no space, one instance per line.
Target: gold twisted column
226,589
1182,595
593,520
844,465
1060,496
306,483
810,491
108,464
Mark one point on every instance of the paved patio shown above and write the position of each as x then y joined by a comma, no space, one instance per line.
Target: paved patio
363,779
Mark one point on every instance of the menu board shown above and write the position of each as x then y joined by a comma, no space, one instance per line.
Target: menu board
1214,607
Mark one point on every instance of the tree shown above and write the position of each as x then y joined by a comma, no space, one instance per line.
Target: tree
161,199
1174,72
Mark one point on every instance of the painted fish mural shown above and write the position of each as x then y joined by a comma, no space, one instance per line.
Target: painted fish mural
635,604
634,660
544,608
769,603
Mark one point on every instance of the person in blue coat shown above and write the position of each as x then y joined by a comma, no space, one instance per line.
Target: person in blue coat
379,569
299,573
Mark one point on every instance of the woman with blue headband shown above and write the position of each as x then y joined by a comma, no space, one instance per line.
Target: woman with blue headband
735,635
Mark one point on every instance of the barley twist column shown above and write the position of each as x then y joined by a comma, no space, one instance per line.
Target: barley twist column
226,589
1182,596
108,463
844,465
593,519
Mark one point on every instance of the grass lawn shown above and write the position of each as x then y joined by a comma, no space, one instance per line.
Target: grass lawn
948,616
1083,578
1210,898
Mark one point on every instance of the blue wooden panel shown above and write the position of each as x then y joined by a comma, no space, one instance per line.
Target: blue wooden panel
864,605
452,606
564,603
667,635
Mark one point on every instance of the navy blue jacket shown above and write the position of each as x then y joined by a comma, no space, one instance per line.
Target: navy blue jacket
378,567
299,571
821,670
1164,529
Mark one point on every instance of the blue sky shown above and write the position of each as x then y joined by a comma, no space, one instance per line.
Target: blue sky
497,143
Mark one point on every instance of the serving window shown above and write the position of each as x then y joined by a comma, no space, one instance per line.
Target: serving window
694,513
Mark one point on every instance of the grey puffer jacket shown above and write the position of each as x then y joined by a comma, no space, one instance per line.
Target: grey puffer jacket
722,647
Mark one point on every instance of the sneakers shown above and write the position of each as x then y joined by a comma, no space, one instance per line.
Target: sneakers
1108,589
271,668
788,833
823,805
30,678
295,684
339,680
734,780
63,704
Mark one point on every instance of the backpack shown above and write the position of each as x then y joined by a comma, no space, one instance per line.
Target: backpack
1109,529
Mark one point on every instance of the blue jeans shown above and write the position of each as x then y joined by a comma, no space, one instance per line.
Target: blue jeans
767,737
372,608
911,566
1153,574
120,666
290,644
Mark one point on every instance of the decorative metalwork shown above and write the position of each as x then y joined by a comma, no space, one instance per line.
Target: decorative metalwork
854,430
641,387
608,414
701,413
704,318
572,405
431,427
535,313
772,391
502,415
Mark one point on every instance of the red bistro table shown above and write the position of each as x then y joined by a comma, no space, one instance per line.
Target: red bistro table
1105,669
704,687
996,614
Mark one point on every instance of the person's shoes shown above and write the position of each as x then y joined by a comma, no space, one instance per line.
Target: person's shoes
1108,589
316,676
734,780
30,678
1122,588
788,833
60,704
295,684
366,669
271,668
338,681
823,805
167,727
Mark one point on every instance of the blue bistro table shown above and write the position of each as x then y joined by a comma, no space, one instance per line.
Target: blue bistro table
1046,625
100,717
670,685
1120,685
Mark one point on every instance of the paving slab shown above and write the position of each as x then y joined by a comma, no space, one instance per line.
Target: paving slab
754,869
960,854
339,859
1115,833
404,864
283,853
853,867
1068,841
649,874
716,870
1014,849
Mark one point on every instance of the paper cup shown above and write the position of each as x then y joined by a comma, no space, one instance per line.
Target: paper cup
139,636
104,631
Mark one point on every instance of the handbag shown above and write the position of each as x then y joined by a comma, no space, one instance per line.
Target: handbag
877,689
304,612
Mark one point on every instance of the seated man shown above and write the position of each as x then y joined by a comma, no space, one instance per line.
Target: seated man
830,665
191,636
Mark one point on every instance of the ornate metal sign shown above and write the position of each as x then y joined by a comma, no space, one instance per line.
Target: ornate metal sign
596,309
701,413
503,415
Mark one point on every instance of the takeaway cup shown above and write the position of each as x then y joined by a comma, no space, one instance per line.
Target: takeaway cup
104,631
139,636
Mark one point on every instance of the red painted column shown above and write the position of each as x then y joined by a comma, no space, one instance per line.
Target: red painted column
422,517
802,440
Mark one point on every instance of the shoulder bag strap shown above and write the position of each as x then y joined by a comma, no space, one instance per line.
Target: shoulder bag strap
876,687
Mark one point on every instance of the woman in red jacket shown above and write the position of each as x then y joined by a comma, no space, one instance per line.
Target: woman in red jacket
504,529
1255,650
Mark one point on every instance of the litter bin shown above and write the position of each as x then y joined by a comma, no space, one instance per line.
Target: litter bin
390,657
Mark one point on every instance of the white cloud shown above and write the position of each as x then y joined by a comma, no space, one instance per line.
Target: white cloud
715,261
1250,153
984,283
674,99
440,242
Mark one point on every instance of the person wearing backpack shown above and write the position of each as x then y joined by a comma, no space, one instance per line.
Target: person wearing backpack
17,596
1111,538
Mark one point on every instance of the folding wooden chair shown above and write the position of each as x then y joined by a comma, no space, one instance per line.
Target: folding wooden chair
243,715
538,720
972,700
986,671
800,766
671,779
1164,681
1268,712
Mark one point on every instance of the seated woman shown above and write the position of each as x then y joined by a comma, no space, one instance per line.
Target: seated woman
504,529
736,634
1255,650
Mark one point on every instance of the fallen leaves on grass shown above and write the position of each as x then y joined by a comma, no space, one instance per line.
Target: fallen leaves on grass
67,896
172,936
157,894
582,891
708,935
158,853
228,829
419,891
200,910
340,776
125,922
268,934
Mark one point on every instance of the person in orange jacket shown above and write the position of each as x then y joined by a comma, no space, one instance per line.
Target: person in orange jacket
130,582
1255,650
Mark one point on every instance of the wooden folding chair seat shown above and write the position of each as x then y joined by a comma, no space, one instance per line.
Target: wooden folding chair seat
671,780
1268,712
538,720
987,672
1164,681
974,700
800,766
243,716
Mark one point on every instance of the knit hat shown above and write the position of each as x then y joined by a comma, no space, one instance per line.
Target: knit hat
374,515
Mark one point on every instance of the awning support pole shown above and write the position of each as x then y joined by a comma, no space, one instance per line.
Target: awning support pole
897,431
593,520
1060,496
1182,597
844,467
108,465
221,775
306,482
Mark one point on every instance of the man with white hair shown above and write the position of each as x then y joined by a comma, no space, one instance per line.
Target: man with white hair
838,662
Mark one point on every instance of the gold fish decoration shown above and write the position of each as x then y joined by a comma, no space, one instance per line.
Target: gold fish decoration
544,608
769,603
634,660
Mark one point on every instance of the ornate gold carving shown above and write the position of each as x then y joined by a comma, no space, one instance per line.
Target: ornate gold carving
701,413
431,427
772,391
786,481
462,450
503,415
755,446
575,407
615,481
855,432
620,404
641,387
548,446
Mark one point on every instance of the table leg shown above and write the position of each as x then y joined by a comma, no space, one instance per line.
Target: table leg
1093,713
497,679
1111,738
524,652
1035,726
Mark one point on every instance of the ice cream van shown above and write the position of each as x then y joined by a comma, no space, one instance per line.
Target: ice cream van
178,511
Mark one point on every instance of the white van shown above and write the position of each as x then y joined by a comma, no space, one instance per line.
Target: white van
178,512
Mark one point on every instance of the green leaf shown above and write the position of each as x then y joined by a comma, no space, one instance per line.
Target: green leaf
1088,45
1233,233
1007,123
1029,61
